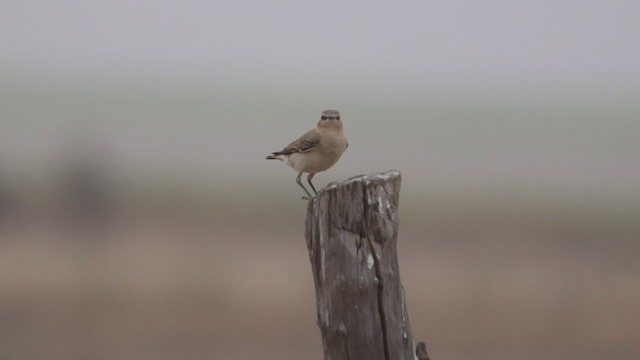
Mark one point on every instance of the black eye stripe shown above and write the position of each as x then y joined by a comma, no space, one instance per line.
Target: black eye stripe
331,117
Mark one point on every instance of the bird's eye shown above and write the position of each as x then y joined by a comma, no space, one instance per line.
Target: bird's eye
323,117
338,118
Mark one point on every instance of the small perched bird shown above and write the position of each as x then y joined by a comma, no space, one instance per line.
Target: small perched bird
317,150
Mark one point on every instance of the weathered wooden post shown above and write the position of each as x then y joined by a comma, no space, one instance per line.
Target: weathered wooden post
351,233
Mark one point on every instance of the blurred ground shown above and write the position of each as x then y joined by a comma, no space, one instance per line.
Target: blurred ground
484,279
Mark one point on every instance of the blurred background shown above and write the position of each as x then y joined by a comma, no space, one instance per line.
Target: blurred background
140,220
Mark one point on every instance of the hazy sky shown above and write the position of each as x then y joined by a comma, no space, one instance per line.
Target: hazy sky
420,41
531,91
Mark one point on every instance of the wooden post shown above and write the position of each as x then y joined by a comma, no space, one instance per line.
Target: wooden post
351,234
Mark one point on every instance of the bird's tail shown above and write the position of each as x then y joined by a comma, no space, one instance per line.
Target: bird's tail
278,155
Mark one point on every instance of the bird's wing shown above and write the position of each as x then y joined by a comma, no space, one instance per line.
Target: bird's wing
304,143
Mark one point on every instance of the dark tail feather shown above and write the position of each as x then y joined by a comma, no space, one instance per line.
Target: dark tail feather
274,155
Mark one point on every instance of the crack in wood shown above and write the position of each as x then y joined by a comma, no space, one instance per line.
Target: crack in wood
378,273
383,317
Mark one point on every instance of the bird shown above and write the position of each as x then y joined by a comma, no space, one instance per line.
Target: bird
315,151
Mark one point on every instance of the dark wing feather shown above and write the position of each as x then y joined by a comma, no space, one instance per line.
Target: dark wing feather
304,143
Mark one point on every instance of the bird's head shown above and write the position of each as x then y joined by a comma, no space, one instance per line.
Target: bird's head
330,119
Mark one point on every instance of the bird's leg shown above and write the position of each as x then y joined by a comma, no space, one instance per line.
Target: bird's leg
309,177
302,186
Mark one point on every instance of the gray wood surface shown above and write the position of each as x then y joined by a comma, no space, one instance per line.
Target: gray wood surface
351,234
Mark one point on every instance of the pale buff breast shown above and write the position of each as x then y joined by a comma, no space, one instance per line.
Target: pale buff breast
322,157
